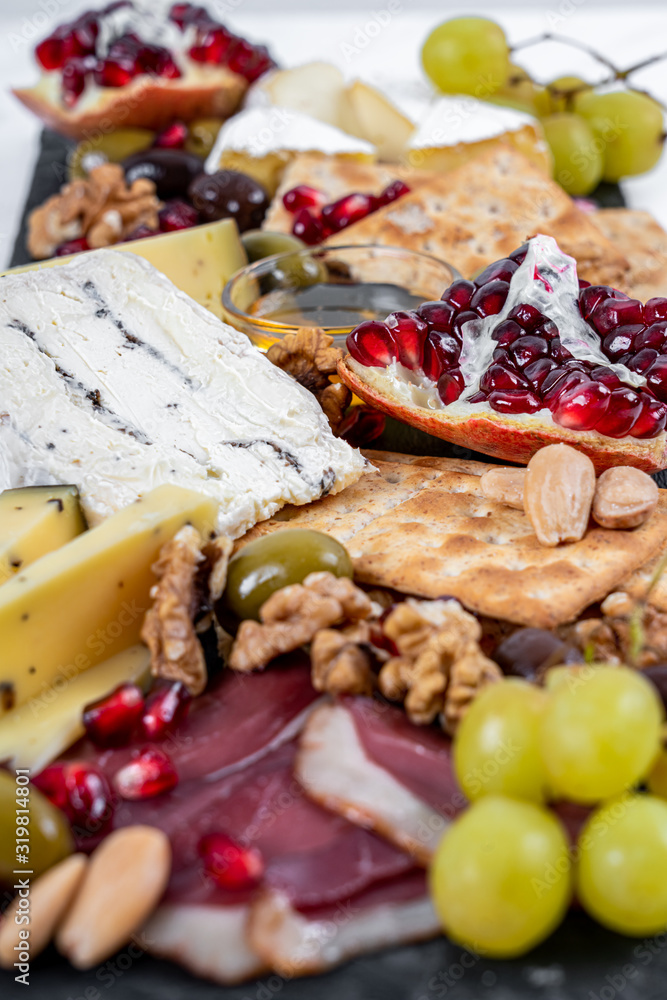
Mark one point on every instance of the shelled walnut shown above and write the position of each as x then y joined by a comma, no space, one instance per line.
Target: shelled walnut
310,357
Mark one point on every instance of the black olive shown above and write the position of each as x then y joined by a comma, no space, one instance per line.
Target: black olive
229,194
171,170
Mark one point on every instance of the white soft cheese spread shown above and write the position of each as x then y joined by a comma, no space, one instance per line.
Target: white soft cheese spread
113,379
452,120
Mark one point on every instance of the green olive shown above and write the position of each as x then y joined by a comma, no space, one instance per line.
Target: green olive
260,243
202,134
107,147
276,560
50,837
294,272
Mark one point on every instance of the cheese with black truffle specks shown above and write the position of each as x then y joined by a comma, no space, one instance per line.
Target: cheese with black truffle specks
114,380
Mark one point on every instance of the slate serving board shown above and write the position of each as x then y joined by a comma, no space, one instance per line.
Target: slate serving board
581,961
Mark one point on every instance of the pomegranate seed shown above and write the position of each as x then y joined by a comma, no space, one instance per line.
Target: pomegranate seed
372,344
81,791
438,315
249,61
611,313
172,137
308,227
179,14
168,68
441,352
546,328
514,401
150,773
489,299
584,284
228,863
538,371
362,425
501,270
342,213
506,333
303,196
526,316
410,332
527,349
656,378
212,46
51,52
110,721
643,360
552,391
558,352
177,215
74,81
478,397
392,192
519,255
655,309
606,376
450,387
72,246
621,340
652,419
84,32
499,377
654,336
165,710
592,296
140,233
581,407
625,405
115,72
460,320
459,293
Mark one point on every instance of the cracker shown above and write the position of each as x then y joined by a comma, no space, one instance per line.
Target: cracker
439,462
637,585
485,209
644,242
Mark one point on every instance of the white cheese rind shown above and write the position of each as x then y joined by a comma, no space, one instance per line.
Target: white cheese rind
452,120
113,379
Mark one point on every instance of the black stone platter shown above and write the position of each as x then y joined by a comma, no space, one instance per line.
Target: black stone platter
581,961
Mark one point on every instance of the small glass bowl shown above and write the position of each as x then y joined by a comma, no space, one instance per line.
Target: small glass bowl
332,288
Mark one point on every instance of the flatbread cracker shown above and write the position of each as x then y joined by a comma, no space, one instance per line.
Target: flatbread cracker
637,585
431,533
482,211
644,242
442,463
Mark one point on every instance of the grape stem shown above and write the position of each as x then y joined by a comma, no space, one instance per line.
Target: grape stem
616,73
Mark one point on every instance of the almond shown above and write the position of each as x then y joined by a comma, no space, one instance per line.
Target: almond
49,898
126,877
558,493
624,498
504,485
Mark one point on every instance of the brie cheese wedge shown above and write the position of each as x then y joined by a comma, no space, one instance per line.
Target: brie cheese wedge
114,380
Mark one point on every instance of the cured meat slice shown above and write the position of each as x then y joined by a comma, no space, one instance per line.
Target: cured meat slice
366,761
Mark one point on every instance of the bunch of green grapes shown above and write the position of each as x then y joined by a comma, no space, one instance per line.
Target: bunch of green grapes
506,869
593,135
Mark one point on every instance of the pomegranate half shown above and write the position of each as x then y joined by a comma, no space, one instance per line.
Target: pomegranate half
526,355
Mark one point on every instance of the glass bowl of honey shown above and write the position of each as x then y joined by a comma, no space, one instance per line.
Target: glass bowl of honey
331,288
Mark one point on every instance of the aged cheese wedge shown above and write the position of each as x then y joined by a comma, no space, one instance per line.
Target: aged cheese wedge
36,520
199,261
85,602
38,731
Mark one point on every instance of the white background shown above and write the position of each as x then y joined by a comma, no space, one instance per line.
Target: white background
346,32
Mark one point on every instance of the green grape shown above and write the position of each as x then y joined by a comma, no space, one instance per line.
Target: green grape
657,779
501,878
50,837
628,128
496,750
600,731
559,98
622,863
520,92
578,163
467,55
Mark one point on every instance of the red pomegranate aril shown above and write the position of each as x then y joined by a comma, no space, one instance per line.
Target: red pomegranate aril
584,284
519,255
180,14
410,332
625,405
115,72
212,46
559,353
611,313
537,371
655,310
656,378
229,864
81,791
110,721
72,246
502,357
140,233
177,215
241,57
167,68
499,377
527,349
165,709
460,320
489,298
172,137
303,196
551,393
342,213
507,332
74,81
500,270
438,315
654,336
621,340
51,52
148,774
450,387
372,344
593,295
459,293
441,352
392,192
581,407
478,397
526,316
362,425
643,360
514,401
547,329
606,376
651,420
308,227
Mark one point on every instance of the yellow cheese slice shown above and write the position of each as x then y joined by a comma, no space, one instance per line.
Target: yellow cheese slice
40,730
36,520
85,602
199,261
